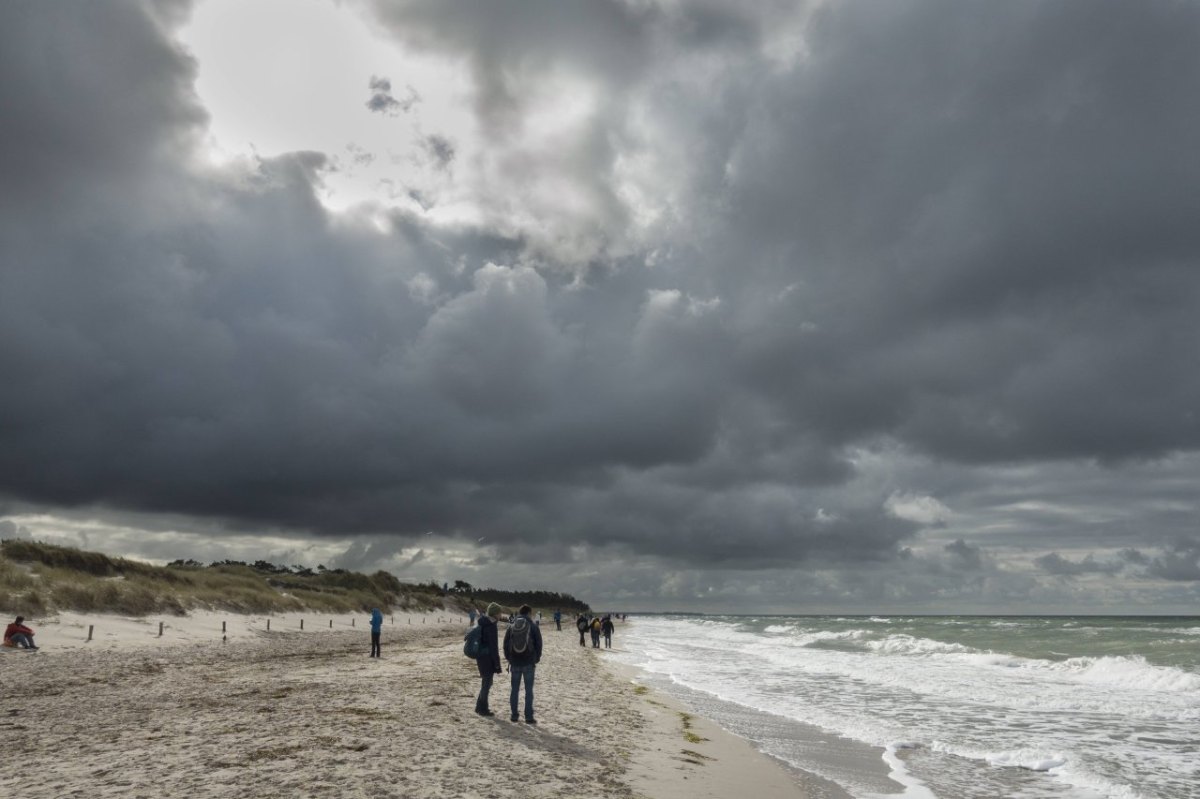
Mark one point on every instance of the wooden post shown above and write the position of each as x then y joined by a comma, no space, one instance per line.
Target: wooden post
352,622
302,624
160,625
331,624
90,626
268,625
222,628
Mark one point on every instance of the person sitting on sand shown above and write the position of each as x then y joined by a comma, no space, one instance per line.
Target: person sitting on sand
488,659
17,634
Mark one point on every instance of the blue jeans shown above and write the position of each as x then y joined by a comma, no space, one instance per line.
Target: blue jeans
517,673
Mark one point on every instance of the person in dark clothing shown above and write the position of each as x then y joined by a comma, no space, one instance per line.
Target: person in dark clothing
522,650
488,659
581,624
606,627
376,630
558,619
596,632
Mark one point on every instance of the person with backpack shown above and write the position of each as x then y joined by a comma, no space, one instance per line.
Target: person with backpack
595,632
376,630
487,658
522,650
581,624
606,627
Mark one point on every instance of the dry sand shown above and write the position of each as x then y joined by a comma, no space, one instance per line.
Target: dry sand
307,714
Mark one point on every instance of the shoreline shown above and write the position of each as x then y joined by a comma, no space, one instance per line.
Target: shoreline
286,713
693,757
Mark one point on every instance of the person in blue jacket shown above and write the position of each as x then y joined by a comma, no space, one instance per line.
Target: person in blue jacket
376,629
488,659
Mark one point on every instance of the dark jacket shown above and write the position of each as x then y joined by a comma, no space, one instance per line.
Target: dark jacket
490,646
532,653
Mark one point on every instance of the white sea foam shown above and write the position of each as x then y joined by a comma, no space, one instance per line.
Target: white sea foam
1100,724
1122,672
908,645
913,787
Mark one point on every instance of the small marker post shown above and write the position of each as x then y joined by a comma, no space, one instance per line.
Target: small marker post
90,626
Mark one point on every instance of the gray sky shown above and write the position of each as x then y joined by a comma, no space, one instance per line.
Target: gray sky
780,306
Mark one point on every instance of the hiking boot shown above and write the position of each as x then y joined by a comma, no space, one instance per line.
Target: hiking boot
484,712
531,721
514,718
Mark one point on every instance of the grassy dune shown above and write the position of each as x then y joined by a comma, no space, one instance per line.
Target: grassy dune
37,578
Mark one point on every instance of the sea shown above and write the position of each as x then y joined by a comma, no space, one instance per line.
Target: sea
944,707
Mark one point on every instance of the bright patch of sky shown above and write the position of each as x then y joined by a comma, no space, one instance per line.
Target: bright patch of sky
279,76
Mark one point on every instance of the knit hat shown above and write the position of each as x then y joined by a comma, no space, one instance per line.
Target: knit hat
493,610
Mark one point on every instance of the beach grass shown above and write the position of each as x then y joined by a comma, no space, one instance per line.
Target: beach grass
36,578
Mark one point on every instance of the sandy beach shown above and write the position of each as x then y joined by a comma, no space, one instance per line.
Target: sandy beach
247,712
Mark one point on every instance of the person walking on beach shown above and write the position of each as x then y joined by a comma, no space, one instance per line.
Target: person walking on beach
558,619
581,624
595,632
471,617
376,630
606,627
17,634
488,659
522,650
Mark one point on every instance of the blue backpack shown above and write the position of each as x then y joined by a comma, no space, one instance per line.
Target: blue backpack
473,642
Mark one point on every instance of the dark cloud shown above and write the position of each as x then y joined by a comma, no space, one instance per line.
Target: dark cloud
382,101
1056,564
788,264
440,148
964,556
1178,561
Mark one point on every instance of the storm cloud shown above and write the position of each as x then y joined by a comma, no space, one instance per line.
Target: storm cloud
893,298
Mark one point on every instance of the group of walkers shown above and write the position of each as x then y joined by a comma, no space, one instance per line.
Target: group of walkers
598,626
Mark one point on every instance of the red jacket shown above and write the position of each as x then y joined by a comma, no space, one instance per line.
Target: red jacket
14,628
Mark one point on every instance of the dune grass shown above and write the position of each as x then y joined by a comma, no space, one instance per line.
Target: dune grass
36,578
